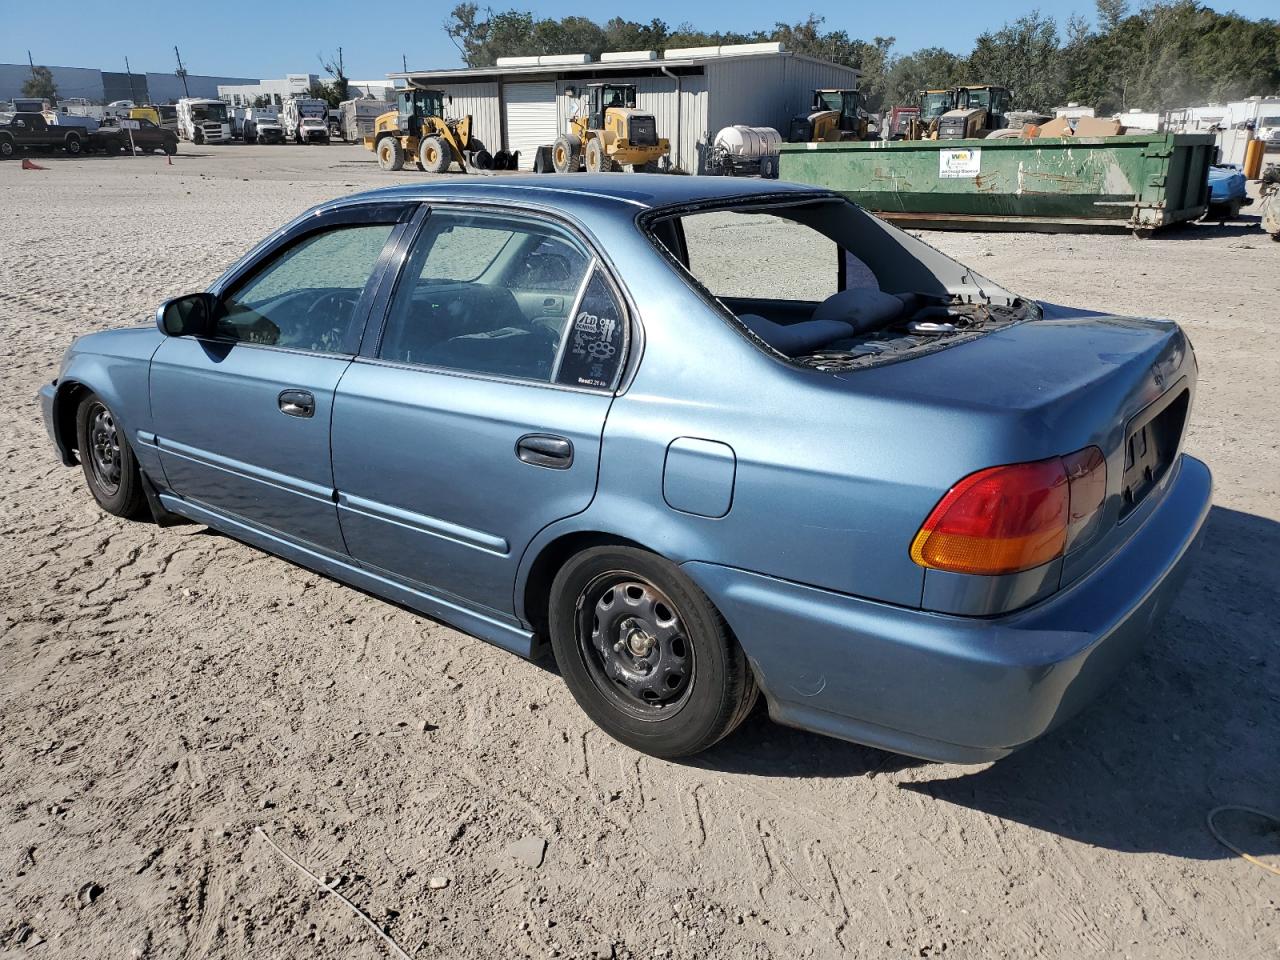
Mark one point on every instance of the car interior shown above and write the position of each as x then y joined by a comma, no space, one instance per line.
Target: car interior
875,292
480,294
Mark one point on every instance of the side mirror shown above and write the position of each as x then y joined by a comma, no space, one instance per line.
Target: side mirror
187,316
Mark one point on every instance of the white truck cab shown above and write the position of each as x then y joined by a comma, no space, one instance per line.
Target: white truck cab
203,121
305,120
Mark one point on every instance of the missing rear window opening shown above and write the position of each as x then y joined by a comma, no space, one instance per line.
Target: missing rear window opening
829,286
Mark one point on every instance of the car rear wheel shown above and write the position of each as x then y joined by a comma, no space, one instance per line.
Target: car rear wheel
110,469
6,149
645,653
74,145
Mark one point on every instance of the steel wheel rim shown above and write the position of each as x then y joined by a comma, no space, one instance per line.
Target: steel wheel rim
635,645
104,449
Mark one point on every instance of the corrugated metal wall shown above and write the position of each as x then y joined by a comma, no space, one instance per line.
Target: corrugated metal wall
481,101
767,91
658,96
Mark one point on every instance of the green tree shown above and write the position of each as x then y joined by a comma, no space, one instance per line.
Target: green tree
334,67
1024,56
929,69
41,85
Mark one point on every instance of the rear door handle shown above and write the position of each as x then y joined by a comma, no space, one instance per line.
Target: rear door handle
297,403
545,450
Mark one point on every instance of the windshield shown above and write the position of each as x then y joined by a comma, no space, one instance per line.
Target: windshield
1269,122
423,103
167,111
618,97
216,112
977,98
935,104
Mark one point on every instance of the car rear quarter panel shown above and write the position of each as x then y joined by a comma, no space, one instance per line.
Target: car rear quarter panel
829,484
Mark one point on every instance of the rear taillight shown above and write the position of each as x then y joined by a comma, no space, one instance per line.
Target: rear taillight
1015,517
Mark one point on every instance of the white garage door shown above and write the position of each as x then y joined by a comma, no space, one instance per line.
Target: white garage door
531,118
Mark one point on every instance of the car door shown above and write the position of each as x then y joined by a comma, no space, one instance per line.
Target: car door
474,419
242,416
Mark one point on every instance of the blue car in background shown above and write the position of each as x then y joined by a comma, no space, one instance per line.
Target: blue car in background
1226,192
706,437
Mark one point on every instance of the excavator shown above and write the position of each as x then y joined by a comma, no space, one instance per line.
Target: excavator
834,115
417,130
609,133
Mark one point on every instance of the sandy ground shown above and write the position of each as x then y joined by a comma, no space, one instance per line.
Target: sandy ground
164,692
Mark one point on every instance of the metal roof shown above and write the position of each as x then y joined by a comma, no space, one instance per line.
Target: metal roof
645,67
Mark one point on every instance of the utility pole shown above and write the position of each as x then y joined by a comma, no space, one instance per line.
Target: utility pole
181,72
404,62
133,94
33,65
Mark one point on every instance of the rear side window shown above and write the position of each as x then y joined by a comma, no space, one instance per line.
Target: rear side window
505,296
305,299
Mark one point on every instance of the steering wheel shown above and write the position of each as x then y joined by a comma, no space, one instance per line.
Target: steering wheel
321,318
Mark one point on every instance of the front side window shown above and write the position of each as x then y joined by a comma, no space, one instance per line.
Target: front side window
305,299
505,296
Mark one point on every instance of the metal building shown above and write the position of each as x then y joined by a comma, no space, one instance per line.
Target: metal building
523,102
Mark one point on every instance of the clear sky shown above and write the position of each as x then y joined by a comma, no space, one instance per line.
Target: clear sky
269,38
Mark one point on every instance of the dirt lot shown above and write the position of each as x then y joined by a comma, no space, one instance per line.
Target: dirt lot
164,692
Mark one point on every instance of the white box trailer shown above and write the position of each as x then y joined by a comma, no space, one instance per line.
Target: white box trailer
305,120
356,118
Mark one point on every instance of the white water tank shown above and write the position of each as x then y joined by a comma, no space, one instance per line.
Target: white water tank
750,143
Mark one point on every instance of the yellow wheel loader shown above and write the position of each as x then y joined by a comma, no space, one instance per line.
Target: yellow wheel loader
932,105
609,133
834,115
417,132
977,110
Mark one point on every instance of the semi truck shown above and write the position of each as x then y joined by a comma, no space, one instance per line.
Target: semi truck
305,120
203,121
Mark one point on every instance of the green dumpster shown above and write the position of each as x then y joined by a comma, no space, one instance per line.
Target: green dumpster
1137,182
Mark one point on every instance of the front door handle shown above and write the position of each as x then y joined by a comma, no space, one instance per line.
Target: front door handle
545,450
297,403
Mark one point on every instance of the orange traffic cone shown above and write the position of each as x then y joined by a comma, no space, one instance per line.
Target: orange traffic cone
28,165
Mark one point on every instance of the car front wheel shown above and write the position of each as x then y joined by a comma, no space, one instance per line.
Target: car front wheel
645,653
110,469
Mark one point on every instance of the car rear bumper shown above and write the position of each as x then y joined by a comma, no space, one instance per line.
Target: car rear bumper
959,689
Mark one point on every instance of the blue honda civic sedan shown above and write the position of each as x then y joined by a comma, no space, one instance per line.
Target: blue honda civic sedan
706,438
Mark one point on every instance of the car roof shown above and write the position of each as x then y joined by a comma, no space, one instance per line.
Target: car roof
634,190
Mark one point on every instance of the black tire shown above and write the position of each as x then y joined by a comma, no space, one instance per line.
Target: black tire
688,686
110,468
170,147
564,155
597,160
482,159
390,154
434,155
74,145
8,149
